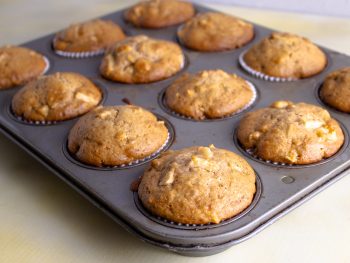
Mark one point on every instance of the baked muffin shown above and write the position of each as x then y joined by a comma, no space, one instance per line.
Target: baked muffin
56,97
335,90
292,133
287,56
215,31
94,35
159,13
141,59
19,65
116,135
197,185
208,94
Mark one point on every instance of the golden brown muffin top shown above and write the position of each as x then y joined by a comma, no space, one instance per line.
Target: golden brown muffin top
197,185
159,13
92,35
142,59
335,89
293,133
19,65
214,31
116,135
56,97
208,94
286,55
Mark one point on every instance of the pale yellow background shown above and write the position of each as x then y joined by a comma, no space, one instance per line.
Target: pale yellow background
43,220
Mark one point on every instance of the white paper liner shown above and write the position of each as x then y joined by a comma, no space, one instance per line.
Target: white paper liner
182,224
261,75
252,154
85,54
47,67
250,103
41,123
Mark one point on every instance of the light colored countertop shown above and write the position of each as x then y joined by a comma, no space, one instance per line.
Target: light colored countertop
44,220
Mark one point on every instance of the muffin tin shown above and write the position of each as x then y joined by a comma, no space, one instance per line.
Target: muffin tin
281,188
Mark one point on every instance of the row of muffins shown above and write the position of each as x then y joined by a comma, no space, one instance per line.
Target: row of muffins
132,60
175,186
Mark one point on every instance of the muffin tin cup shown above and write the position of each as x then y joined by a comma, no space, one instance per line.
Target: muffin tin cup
251,153
249,105
197,227
325,104
131,164
258,74
77,55
21,119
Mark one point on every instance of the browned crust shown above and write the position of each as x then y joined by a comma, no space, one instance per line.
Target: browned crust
91,36
19,65
159,13
286,55
208,94
291,133
335,90
116,135
197,185
56,97
215,31
141,59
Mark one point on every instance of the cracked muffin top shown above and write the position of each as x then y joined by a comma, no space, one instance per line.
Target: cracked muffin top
293,133
335,90
19,65
142,59
286,55
56,97
92,35
197,185
116,135
215,31
159,13
208,94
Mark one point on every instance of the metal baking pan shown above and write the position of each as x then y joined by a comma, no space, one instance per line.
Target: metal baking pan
280,188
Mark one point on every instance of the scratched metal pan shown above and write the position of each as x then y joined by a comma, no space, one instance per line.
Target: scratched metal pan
280,188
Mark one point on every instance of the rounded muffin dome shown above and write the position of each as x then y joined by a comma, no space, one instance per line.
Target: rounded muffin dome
56,97
293,133
287,56
116,135
209,94
197,185
214,31
159,13
19,65
141,59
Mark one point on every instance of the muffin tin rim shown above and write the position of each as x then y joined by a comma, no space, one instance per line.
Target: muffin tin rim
198,227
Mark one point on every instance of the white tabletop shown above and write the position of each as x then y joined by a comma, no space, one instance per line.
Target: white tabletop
44,220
